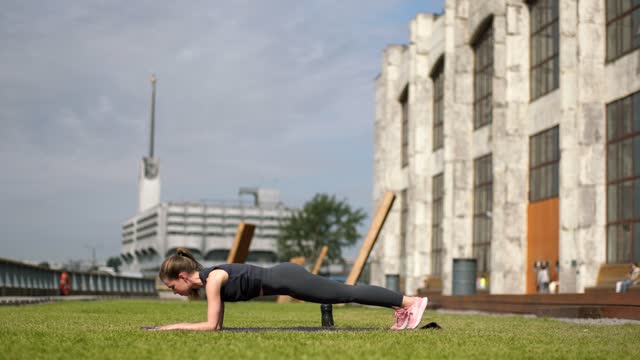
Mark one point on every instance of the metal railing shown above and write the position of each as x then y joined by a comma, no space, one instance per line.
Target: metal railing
20,279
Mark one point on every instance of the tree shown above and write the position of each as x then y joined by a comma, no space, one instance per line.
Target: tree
114,262
322,221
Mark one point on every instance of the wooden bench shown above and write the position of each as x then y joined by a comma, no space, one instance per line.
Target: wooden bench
431,285
608,275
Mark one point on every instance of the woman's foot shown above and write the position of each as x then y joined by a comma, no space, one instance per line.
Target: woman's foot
416,311
402,319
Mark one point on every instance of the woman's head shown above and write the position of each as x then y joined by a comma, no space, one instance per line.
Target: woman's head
176,270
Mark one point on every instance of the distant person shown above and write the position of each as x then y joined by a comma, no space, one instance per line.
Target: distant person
242,282
65,283
543,277
633,278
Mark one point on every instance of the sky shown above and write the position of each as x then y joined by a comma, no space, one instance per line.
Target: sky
276,94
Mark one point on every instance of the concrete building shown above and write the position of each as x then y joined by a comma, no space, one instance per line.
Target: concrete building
510,131
206,229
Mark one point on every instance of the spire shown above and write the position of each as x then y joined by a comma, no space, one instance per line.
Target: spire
153,111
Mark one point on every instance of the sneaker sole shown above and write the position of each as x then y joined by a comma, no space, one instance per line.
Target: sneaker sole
423,307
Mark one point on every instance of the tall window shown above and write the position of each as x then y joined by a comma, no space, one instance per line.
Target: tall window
623,25
482,208
623,180
437,246
404,103
545,39
544,159
438,104
483,78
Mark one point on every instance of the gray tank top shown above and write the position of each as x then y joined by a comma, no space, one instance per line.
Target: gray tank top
245,281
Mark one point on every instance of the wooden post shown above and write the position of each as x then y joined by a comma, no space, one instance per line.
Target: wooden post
240,249
286,298
320,260
372,236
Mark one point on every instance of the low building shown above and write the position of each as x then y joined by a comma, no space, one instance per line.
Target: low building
206,229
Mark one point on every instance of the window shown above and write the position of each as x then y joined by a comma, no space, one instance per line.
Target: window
544,160
623,180
623,25
544,43
404,103
483,78
482,212
438,104
437,246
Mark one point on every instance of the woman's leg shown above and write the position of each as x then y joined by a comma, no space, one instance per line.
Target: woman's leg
293,280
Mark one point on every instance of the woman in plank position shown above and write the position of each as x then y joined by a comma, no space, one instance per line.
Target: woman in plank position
241,282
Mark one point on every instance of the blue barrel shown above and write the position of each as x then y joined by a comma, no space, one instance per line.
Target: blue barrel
392,282
464,276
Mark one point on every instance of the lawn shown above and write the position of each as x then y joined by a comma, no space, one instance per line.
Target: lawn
110,329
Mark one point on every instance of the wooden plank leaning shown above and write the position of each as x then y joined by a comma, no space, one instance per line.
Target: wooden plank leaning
320,260
240,249
372,236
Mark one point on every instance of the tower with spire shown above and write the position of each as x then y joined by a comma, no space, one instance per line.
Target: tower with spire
149,175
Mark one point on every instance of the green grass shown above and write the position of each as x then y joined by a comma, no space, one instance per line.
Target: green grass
110,329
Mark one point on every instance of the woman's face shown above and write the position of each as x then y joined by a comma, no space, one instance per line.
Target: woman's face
179,286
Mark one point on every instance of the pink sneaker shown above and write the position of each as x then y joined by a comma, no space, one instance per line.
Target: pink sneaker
402,319
416,311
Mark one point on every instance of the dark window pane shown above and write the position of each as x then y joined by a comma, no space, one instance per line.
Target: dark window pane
626,197
612,206
636,112
611,9
611,121
626,155
555,180
548,181
624,243
612,244
611,41
612,162
635,26
626,33
533,153
636,199
626,115
636,155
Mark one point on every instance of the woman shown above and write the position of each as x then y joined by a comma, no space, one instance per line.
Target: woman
241,282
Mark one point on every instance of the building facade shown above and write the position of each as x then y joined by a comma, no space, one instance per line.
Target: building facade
511,132
206,229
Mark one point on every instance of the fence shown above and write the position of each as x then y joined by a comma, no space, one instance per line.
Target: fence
20,279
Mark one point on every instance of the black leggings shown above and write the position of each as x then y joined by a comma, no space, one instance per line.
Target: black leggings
293,280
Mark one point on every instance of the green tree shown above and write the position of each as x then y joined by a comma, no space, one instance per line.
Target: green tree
322,221
114,262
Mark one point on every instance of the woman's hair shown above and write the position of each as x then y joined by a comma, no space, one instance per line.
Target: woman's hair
181,261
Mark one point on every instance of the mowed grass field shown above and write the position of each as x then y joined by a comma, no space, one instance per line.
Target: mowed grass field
109,329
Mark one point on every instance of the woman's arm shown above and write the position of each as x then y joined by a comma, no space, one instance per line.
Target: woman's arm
215,306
